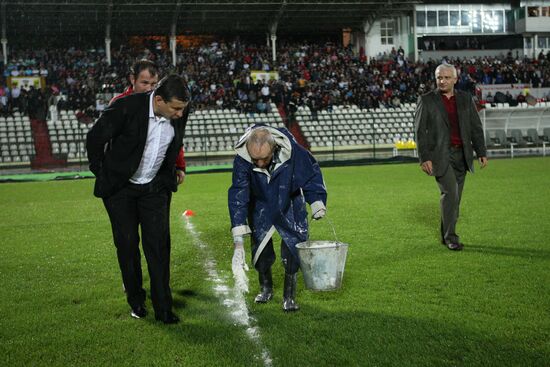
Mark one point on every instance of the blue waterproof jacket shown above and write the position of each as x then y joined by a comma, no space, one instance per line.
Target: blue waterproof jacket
260,202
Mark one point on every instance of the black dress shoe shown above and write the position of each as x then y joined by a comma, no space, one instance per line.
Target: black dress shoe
455,246
138,312
167,317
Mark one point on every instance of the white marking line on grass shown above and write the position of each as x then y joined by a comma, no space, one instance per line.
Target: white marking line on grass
232,298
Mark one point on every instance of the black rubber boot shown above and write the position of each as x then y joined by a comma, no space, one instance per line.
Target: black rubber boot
266,287
289,293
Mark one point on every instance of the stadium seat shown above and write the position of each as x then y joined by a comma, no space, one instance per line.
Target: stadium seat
532,137
500,138
489,142
516,137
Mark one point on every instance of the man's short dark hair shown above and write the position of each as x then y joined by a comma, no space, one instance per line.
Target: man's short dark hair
173,86
143,64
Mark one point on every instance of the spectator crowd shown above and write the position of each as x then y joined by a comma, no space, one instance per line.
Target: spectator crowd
219,76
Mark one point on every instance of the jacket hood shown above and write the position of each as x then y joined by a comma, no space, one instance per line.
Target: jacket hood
282,141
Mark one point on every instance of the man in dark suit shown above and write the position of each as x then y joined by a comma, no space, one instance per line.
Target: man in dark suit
448,131
136,178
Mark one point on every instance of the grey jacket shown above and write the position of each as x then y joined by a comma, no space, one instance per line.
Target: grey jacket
433,130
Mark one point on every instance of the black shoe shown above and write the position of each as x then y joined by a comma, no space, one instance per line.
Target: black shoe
266,288
138,312
289,293
167,317
455,246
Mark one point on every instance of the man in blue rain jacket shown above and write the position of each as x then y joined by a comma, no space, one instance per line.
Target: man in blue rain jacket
273,178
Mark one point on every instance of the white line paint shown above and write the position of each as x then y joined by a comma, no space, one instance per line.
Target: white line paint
233,298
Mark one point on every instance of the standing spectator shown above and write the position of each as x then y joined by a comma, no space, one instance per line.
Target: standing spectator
143,78
4,101
489,98
15,95
37,105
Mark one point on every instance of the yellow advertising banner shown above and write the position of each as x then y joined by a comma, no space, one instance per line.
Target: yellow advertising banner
264,75
26,82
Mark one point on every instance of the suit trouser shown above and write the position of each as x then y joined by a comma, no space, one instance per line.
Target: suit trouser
146,206
450,186
267,258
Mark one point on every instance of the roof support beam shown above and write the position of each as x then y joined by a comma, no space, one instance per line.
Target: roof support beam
3,20
4,39
108,31
273,31
173,28
175,19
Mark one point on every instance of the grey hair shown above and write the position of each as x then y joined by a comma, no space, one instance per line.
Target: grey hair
447,66
259,137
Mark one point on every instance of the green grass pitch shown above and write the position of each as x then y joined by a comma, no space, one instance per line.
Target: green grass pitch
405,301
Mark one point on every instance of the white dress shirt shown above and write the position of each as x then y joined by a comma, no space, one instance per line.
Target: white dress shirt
160,133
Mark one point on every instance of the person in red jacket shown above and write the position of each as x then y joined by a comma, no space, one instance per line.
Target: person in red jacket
143,78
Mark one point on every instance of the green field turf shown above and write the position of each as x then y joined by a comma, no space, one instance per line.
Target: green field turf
406,300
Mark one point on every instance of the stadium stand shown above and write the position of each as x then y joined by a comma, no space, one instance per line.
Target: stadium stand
220,75
218,130
353,127
68,136
16,139
330,96
346,128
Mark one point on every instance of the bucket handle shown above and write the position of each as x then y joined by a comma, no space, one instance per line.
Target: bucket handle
331,226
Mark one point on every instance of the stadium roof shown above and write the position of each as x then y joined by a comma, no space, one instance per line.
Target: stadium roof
30,18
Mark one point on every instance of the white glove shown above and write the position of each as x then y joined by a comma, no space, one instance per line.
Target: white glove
239,268
319,214
238,261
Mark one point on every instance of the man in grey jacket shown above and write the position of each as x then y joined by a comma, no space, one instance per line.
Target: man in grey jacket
448,131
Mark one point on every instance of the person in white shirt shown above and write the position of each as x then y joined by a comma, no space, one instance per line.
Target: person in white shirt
136,178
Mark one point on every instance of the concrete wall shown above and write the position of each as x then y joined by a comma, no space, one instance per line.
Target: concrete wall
540,26
373,41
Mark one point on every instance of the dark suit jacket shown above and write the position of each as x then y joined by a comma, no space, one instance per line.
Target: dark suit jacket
124,123
433,130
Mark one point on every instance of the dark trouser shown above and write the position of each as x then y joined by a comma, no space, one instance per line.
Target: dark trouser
450,186
267,258
146,206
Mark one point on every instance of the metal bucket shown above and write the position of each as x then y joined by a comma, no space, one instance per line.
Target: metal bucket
322,264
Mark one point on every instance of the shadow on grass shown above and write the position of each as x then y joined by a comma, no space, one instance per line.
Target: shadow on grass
425,214
179,301
328,337
528,253
186,292
204,327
